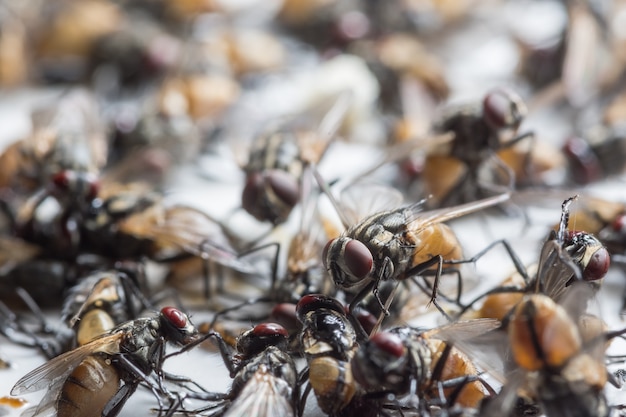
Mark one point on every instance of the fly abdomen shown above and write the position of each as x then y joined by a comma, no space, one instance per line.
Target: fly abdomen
332,382
88,388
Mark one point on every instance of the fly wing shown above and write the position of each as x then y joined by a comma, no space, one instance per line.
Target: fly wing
422,219
363,199
263,396
555,270
477,340
179,229
53,373
463,330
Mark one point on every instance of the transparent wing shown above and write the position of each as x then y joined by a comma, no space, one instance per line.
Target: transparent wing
263,396
53,373
463,330
363,199
417,105
179,229
422,219
477,340
313,147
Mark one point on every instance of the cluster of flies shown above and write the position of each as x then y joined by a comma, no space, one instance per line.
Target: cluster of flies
83,214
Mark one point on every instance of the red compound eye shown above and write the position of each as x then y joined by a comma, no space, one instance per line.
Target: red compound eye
619,224
285,186
252,192
312,302
62,179
175,316
388,343
598,265
358,258
503,109
94,189
285,315
269,329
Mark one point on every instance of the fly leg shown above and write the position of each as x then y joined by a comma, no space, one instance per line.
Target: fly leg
115,404
304,375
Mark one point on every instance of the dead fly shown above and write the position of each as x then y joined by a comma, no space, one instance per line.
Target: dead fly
66,136
328,342
98,377
265,380
147,143
406,361
578,62
277,161
131,222
99,303
563,373
304,273
469,168
567,257
606,220
395,245
598,154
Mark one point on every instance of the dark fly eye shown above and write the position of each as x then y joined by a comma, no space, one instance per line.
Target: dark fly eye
285,315
285,186
584,164
260,337
503,109
312,302
619,224
598,265
94,188
62,179
269,329
176,317
358,258
388,343
366,319
251,193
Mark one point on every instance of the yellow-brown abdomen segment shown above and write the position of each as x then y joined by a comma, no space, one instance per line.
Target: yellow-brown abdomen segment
93,324
441,173
332,383
458,365
88,388
434,240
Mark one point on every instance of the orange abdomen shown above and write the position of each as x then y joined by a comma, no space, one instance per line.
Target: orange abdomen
434,240
458,365
441,173
88,389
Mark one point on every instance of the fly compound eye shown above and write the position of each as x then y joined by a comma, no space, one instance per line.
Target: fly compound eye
619,224
285,315
269,330
93,188
358,259
252,192
503,109
598,265
313,302
285,186
388,344
63,179
260,337
174,316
